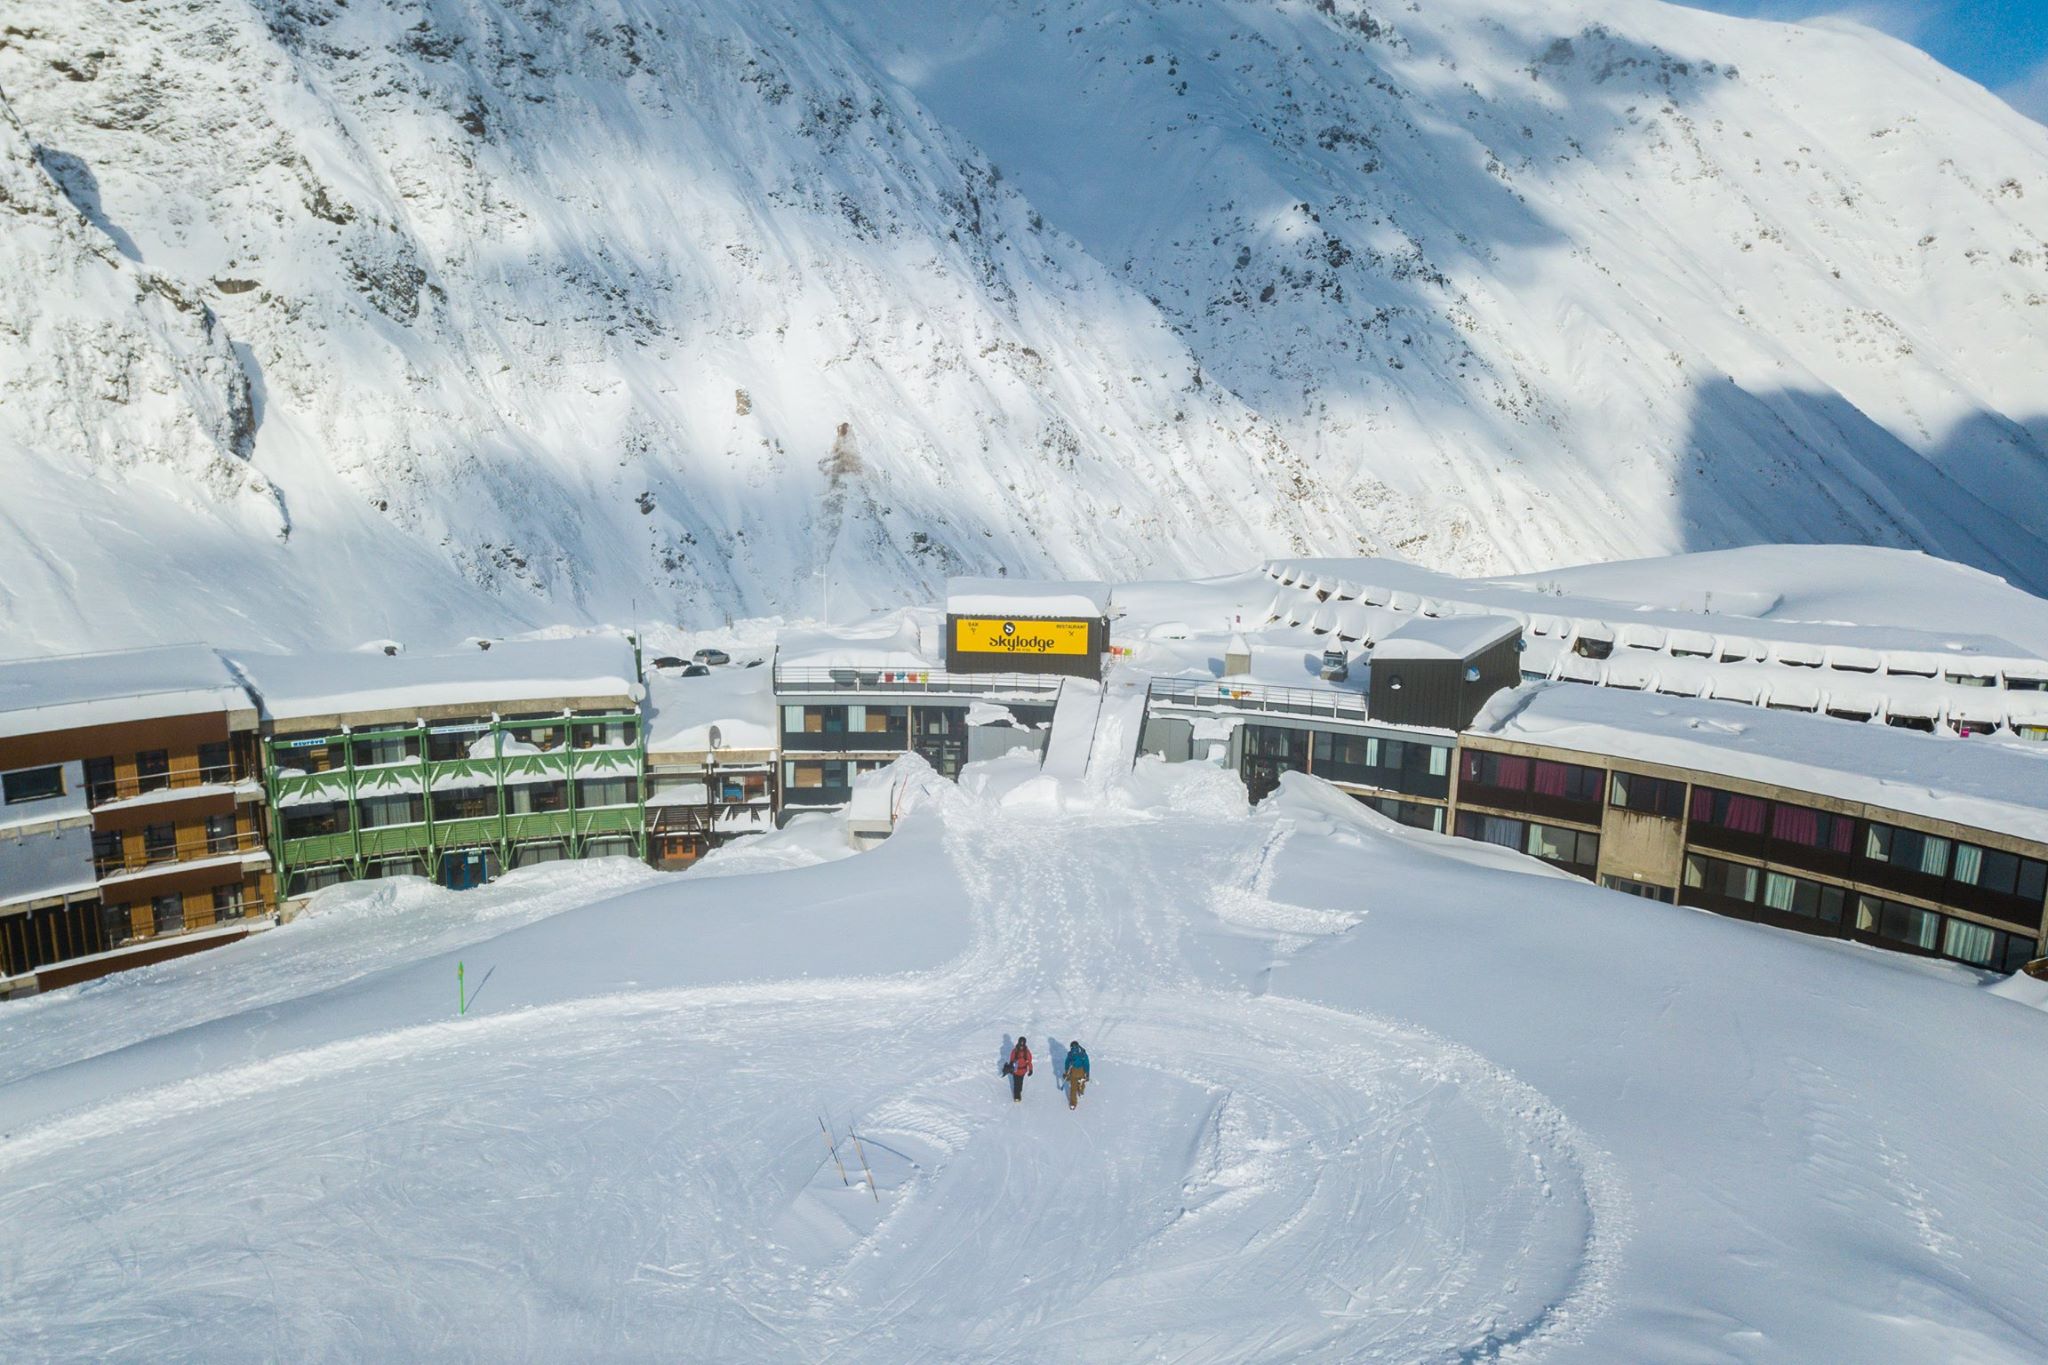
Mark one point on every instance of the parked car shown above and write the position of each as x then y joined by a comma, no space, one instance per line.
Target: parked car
669,661
1336,668
696,671
712,656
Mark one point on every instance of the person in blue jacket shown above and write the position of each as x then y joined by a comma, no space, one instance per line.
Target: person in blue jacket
1076,1072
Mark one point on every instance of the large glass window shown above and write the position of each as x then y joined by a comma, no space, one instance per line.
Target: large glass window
1561,845
607,791
382,749
153,770
216,763
466,803
1899,923
1908,848
227,903
456,739
221,834
312,820
1812,828
169,913
382,812
160,842
536,798
1649,795
31,784
1728,810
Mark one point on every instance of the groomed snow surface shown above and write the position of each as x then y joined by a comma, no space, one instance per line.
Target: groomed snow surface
1360,1093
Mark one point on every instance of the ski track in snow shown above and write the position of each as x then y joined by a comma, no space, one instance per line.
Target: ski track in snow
643,1174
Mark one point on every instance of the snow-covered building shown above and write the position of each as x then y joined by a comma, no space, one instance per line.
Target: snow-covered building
1919,843
711,758
131,823
852,698
453,765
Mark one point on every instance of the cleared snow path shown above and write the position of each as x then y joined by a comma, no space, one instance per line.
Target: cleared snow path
642,1174
1073,728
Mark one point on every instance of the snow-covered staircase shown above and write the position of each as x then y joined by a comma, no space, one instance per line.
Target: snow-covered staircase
1073,728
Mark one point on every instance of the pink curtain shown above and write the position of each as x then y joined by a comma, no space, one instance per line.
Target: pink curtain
1796,824
1703,805
1746,814
1838,837
1514,774
1549,778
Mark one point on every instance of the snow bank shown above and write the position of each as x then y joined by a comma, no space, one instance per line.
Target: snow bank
305,686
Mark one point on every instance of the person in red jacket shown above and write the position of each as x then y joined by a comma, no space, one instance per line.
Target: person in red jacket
1018,1067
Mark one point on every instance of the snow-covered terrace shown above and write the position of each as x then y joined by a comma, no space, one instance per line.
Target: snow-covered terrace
68,692
1844,668
903,651
732,699
300,688
1984,783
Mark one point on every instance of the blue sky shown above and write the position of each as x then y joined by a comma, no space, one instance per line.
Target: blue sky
2002,44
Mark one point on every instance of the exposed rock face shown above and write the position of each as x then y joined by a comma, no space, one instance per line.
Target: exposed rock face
534,311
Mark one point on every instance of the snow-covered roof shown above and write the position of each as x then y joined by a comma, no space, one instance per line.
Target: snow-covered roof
895,641
1025,597
38,696
738,702
1447,637
1984,783
304,686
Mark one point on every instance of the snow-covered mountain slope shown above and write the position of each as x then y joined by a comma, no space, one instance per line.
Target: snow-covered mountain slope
645,307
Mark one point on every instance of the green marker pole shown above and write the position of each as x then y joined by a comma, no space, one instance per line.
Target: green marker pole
461,995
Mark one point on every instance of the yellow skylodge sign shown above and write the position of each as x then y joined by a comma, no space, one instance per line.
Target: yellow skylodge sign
983,635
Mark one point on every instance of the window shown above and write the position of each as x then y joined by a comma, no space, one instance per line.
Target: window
536,798
169,913
216,764
1907,848
1968,680
221,835
1812,828
159,842
1647,890
1559,845
107,855
153,770
31,784
1716,877
1587,648
315,819
118,924
379,750
312,879
227,903
1492,829
382,812
466,803
1565,781
607,791
1649,795
2006,874
307,753
99,779
1741,814
457,740
604,734
1906,925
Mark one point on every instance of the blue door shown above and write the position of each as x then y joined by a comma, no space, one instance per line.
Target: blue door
463,869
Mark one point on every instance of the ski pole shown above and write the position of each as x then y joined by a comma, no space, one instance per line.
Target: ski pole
833,1148
864,1167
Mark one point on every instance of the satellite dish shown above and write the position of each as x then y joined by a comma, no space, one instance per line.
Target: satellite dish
717,740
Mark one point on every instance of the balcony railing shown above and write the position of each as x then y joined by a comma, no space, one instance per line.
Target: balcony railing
113,865
1259,698
126,788
796,678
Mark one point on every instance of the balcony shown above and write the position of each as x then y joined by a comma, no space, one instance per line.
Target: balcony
186,851
163,786
1330,702
928,681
